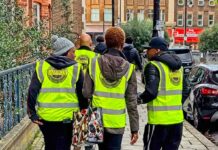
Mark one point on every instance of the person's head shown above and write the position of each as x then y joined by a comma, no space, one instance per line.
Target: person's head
129,40
100,38
85,40
62,47
115,38
156,45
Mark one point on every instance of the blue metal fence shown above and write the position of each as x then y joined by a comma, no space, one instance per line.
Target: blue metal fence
13,92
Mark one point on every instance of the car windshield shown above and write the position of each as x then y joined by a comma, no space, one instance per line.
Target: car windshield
215,76
184,55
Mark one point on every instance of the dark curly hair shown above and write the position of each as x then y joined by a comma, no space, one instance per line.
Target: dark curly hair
114,37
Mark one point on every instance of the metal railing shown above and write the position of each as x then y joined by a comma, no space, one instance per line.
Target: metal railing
13,93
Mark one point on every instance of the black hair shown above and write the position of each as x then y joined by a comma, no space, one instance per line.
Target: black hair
100,38
129,40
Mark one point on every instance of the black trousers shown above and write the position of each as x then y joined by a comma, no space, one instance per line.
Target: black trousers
111,142
57,135
165,137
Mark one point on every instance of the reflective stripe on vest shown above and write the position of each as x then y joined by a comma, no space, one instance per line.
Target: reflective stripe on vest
167,107
57,101
110,99
58,105
164,108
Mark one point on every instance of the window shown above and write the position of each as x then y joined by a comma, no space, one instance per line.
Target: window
210,20
180,2
211,2
95,14
196,76
36,14
180,20
200,20
150,13
189,20
200,2
140,15
190,3
107,14
129,14
162,15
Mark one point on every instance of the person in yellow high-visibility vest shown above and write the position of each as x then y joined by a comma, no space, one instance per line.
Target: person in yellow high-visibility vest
85,53
111,81
163,95
56,88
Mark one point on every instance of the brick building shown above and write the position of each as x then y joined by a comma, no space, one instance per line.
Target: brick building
70,13
99,12
201,14
37,11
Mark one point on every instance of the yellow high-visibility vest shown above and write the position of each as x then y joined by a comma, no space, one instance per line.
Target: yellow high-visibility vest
110,97
84,56
57,99
166,109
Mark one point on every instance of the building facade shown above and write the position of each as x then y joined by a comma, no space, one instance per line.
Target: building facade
70,13
99,13
201,14
37,11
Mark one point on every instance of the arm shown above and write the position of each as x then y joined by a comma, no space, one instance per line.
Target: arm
131,103
33,93
88,86
138,60
83,102
152,79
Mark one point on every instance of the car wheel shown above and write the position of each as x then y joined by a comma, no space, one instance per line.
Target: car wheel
198,122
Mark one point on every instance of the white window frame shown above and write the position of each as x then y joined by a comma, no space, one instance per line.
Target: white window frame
210,25
212,3
190,3
37,14
188,19
129,14
150,13
201,2
95,16
108,15
141,14
162,15
180,4
200,20
180,25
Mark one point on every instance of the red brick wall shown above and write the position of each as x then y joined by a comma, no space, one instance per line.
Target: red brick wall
45,10
75,15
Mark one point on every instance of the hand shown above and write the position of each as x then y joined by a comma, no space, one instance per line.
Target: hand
38,121
134,138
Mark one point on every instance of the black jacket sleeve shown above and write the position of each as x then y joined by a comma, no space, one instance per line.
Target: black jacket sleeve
83,102
33,92
138,60
152,79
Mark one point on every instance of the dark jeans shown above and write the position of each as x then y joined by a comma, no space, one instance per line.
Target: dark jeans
111,142
165,137
57,135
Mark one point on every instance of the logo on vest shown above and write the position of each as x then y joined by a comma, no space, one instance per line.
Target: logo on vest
175,77
57,76
109,83
84,60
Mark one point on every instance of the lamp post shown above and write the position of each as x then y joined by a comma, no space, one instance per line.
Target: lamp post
113,13
185,36
156,17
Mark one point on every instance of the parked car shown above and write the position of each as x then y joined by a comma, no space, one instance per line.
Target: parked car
201,105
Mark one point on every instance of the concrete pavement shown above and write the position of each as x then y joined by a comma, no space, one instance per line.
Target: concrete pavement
191,140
